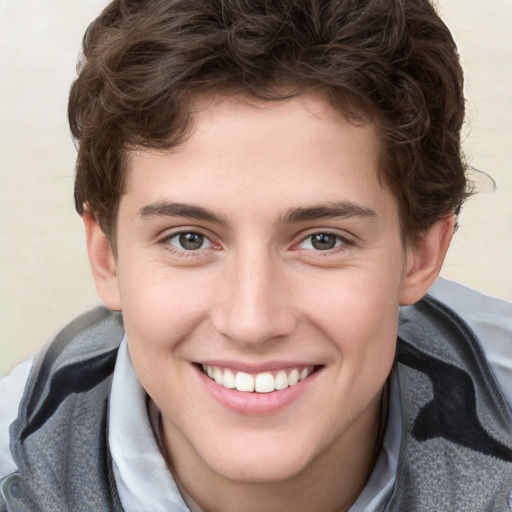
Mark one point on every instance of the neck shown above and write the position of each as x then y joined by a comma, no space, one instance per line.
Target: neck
331,482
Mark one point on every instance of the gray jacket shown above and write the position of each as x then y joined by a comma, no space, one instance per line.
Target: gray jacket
456,450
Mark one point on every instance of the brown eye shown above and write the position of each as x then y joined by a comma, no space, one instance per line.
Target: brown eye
189,241
323,241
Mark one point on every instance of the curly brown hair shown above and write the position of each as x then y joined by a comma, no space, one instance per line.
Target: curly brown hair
390,62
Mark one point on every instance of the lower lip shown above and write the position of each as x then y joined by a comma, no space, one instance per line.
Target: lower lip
256,404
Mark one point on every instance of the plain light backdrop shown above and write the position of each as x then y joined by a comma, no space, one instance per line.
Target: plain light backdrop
44,273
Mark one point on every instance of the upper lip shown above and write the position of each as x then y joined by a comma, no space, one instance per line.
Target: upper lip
255,368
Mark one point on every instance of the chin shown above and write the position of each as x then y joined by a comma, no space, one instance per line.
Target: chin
261,471
261,461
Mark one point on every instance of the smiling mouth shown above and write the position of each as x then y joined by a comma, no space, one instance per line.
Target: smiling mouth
265,382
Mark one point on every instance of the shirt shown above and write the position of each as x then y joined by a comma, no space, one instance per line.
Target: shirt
133,421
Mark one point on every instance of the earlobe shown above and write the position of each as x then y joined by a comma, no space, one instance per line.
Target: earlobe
102,262
425,259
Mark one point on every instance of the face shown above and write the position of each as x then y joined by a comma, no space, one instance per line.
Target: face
263,253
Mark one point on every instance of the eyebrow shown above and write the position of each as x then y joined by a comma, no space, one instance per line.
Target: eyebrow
171,209
338,209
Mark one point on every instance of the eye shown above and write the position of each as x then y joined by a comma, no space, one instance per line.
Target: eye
322,242
189,241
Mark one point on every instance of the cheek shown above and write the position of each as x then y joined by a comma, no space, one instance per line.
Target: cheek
160,313
359,301
359,315
160,306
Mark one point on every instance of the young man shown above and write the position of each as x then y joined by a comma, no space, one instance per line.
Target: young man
263,185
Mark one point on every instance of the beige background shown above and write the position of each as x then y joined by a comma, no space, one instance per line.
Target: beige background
44,275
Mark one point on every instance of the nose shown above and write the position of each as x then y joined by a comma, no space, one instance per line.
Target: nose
254,306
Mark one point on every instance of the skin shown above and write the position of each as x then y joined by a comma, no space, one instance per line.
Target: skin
257,180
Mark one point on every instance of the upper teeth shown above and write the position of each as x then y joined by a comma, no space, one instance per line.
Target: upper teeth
265,382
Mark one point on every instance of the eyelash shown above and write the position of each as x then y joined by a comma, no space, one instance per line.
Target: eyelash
166,242
343,242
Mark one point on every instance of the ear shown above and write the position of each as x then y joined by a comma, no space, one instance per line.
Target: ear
425,259
103,263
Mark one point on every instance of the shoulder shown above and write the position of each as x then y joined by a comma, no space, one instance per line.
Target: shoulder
11,391
80,356
490,319
482,312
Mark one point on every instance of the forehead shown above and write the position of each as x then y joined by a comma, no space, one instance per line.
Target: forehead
299,116
242,151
